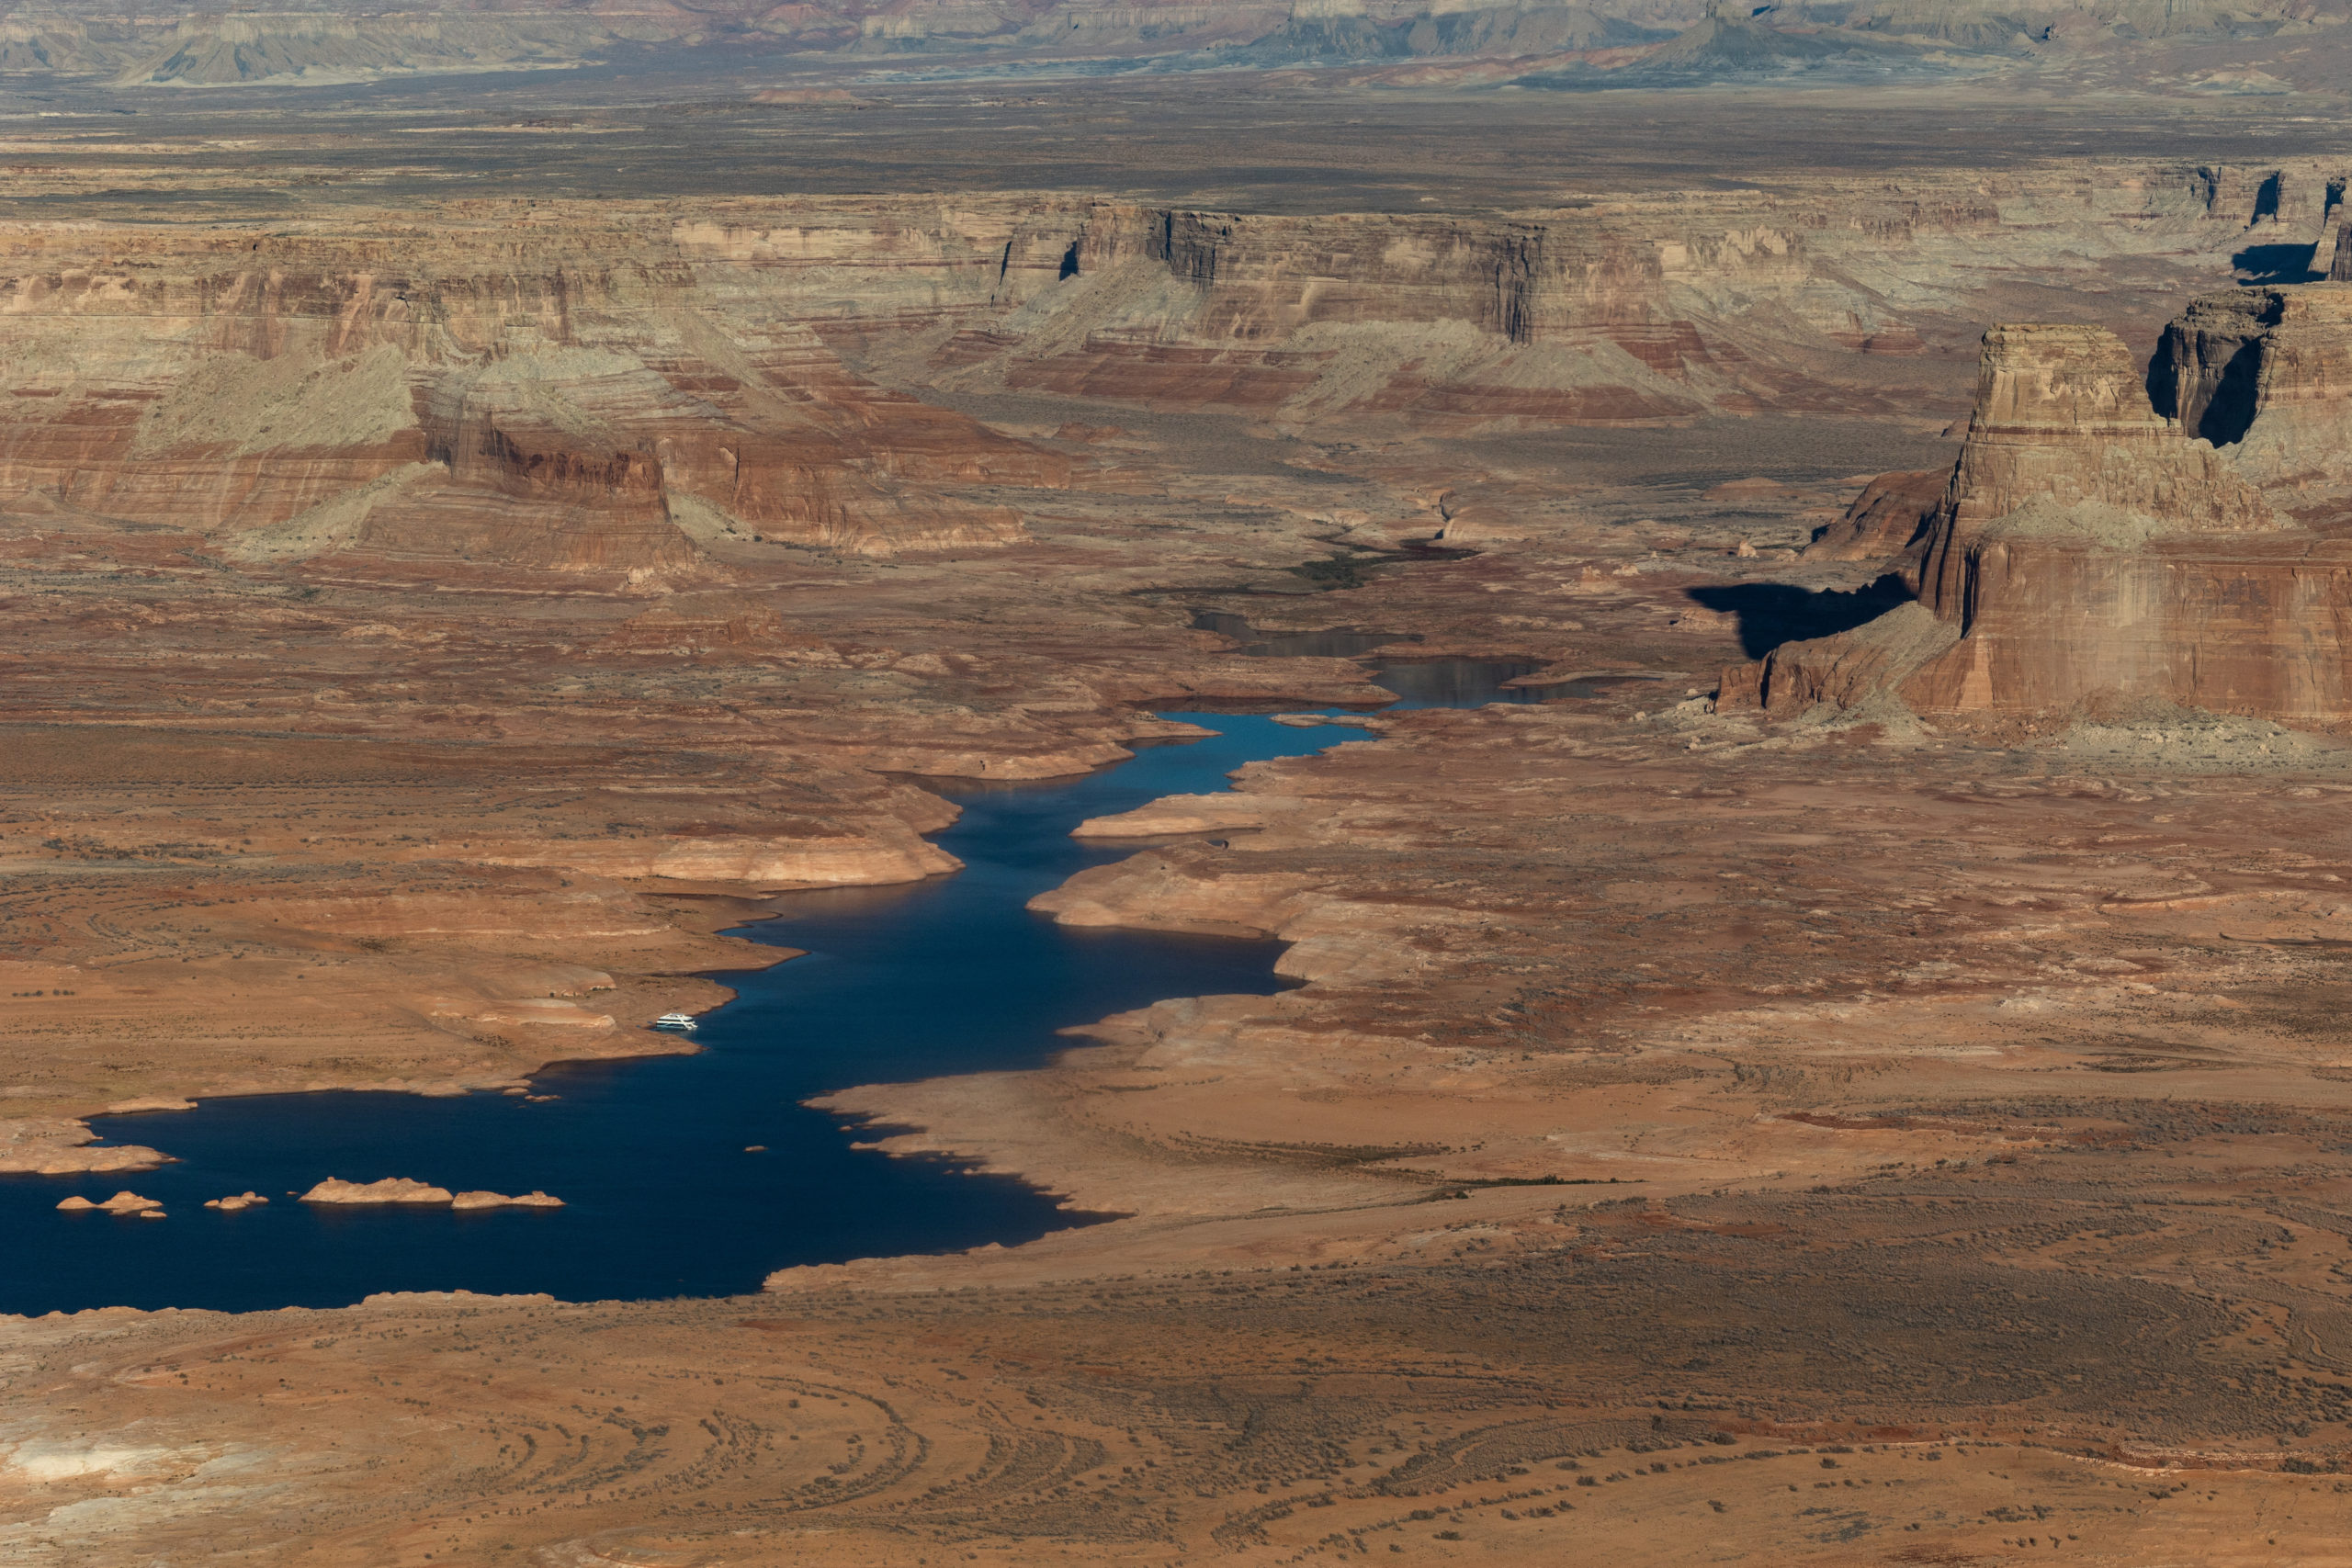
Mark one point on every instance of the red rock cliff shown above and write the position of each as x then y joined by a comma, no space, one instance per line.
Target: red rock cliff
2088,547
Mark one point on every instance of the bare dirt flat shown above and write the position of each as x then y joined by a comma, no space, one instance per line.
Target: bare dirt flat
454,567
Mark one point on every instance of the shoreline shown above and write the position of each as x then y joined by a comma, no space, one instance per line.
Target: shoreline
711,911
656,1043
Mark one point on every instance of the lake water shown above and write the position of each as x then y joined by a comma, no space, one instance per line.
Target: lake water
652,1157
1418,682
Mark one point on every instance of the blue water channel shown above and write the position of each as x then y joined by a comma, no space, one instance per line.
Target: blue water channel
696,1175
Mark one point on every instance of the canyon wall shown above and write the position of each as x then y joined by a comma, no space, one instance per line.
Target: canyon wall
499,388
2089,548
607,391
2267,375
1613,310
548,401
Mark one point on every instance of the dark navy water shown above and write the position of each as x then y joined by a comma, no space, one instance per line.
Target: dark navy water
1339,643
1418,682
665,1194
1457,682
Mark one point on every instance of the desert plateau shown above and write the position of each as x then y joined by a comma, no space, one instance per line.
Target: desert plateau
1029,782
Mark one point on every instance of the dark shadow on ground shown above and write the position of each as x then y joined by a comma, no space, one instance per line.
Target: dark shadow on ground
2275,264
1774,613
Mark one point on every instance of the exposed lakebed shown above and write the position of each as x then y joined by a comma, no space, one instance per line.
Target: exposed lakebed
664,1193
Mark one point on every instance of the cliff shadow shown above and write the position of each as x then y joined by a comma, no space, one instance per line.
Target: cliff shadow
2230,405
2161,379
1774,613
2275,264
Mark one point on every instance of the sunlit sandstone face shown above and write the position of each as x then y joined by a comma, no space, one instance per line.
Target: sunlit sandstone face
2088,547
577,402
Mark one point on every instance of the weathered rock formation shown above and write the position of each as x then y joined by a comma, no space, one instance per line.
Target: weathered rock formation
2090,545
2063,420
391,1190
229,1205
582,406
56,1145
1888,515
123,1202
2267,374
605,397
534,1199
1845,671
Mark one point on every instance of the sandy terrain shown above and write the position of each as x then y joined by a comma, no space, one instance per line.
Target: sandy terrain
1837,1136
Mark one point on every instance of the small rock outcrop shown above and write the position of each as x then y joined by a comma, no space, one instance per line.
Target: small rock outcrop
400,1190
231,1205
125,1202
1844,670
391,1190
149,1102
1891,514
56,1145
533,1199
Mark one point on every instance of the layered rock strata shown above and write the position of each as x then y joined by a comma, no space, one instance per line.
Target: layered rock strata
2089,546
2265,374
1890,514
621,385
534,1199
1627,309
577,407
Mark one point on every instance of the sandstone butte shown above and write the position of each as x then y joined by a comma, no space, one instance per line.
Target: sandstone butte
1816,1137
2091,547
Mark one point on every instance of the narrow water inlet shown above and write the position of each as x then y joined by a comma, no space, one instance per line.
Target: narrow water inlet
654,1158
698,1175
1418,682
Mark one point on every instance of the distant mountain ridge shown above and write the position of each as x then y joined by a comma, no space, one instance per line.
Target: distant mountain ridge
1658,43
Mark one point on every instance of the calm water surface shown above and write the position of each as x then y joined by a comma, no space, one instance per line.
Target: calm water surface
664,1195
1418,682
